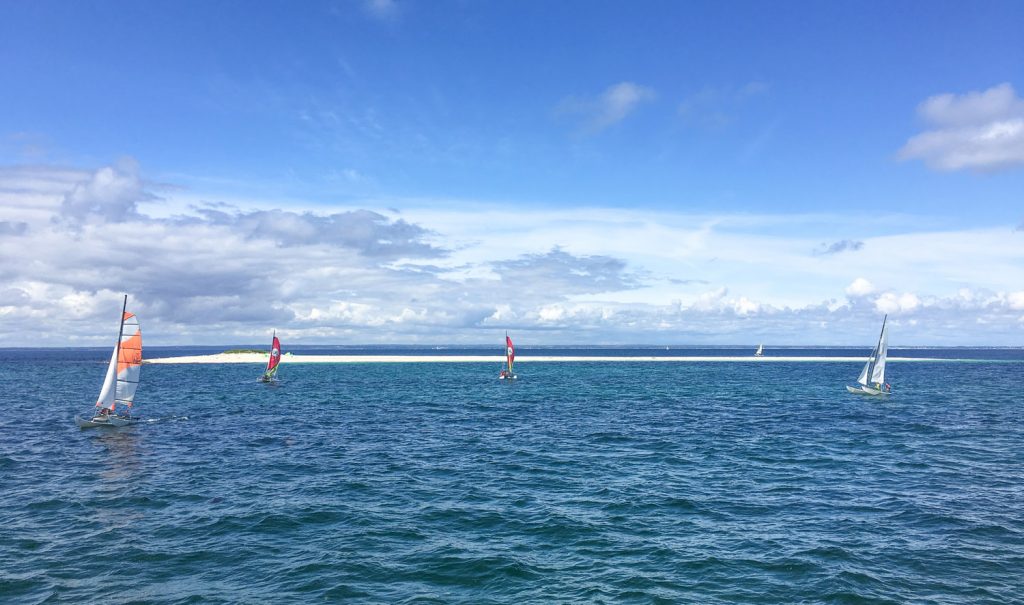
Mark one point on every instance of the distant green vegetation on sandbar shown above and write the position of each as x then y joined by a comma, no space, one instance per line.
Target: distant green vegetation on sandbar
239,351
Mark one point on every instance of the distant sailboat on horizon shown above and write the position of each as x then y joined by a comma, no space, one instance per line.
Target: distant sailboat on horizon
874,370
269,375
122,377
760,351
510,358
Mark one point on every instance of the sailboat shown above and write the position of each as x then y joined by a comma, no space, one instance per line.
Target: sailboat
510,357
872,378
760,351
114,405
275,358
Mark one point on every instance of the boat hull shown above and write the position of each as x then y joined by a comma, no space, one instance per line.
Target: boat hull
862,390
104,421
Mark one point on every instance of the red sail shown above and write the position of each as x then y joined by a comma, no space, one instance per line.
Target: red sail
510,352
275,355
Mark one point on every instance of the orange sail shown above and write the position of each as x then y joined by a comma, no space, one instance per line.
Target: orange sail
122,378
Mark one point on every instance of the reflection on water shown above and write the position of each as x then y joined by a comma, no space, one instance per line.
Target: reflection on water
120,462
121,474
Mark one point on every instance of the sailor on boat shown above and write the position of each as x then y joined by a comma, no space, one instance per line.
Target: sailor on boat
122,377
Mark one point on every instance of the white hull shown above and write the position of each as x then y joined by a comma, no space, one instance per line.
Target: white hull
512,377
104,421
862,390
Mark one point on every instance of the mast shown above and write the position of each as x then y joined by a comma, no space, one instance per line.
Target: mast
117,352
270,359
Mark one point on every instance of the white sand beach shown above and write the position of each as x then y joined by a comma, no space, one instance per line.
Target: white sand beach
520,359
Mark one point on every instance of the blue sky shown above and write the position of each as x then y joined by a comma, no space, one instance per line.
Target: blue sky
435,171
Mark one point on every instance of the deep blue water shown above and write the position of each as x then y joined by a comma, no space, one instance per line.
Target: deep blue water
585,482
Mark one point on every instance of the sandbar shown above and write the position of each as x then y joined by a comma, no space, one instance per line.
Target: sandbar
289,359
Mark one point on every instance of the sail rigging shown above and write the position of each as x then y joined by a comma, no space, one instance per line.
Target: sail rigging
874,368
122,377
878,372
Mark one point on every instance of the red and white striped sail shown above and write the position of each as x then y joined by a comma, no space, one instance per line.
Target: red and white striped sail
122,378
510,353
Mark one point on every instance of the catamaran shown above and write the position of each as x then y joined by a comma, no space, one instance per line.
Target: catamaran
872,377
122,378
275,358
760,351
510,357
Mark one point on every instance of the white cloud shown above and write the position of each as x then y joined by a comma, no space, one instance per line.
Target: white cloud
110,194
610,107
1016,300
709,301
890,302
860,287
619,101
451,271
980,131
716,301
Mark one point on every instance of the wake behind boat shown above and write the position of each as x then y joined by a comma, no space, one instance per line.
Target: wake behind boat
269,375
872,378
122,377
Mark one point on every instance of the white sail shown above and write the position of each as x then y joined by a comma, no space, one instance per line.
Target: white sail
760,350
874,369
106,398
122,377
878,373
863,379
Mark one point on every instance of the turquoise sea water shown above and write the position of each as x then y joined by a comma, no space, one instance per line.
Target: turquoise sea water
586,482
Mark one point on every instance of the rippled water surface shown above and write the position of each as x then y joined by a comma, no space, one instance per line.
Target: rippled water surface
586,482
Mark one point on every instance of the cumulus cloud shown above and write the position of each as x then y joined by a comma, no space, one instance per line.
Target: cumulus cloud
890,302
1016,300
981,131
837,247
220,274
859,287
610,107
717,301
110,194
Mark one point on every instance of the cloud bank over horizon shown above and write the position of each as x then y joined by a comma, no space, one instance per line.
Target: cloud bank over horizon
71,241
